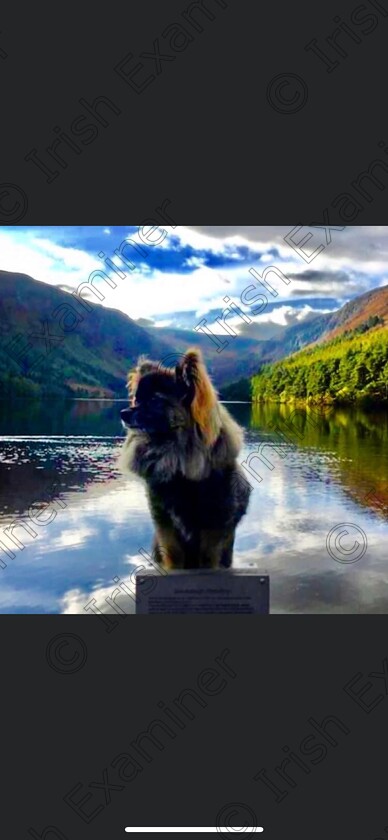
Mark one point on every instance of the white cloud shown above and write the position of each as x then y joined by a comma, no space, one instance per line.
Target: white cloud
44,260
364,246
361,254
164,292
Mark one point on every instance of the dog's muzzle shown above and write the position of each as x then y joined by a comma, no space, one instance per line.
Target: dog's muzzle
130,419
126,415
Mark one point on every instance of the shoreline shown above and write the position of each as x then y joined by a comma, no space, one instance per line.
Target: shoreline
364,400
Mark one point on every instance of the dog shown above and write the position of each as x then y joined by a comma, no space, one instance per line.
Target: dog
184,443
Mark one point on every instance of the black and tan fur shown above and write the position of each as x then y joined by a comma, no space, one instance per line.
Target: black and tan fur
184,444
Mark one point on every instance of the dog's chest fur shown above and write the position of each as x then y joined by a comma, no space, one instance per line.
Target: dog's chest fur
215,503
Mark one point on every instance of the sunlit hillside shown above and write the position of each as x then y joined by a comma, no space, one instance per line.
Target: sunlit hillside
350,367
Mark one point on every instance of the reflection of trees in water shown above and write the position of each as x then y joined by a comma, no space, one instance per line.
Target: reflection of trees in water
357,438
60,417
30,468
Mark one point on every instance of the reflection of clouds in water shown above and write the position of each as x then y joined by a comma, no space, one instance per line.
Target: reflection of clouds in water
286,528
365,591
114,501
106,521
289,519
21,599
290,593
75,600
88,541
86,514
71,538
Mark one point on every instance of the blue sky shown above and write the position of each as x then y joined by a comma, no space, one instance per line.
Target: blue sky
185,276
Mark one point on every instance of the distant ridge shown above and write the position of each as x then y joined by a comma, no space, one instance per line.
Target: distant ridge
94,359
348,362
357,311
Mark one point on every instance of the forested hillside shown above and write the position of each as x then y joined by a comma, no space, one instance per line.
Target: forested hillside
353,366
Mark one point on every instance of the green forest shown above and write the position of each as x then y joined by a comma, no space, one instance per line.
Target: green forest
352,367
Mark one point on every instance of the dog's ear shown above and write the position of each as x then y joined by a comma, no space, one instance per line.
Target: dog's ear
204,404
143,366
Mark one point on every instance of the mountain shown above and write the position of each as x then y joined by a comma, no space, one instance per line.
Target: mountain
72,350
294,338
87,350
347,362
237,359
78,350
373,304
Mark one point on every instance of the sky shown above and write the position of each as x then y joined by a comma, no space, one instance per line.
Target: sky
177,276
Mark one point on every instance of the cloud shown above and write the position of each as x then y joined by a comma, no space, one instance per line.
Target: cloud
187,276
145,322
364,245
311,276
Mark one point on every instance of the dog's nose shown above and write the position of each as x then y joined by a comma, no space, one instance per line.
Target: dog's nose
126,415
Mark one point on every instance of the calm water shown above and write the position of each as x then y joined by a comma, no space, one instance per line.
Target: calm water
324,473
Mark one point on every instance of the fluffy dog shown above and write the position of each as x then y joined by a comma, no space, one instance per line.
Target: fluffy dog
184,444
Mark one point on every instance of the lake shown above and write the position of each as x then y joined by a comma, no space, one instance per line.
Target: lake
317,521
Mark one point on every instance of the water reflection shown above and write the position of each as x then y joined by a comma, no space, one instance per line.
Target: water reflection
319,471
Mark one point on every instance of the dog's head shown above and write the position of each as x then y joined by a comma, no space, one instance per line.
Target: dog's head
165,400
